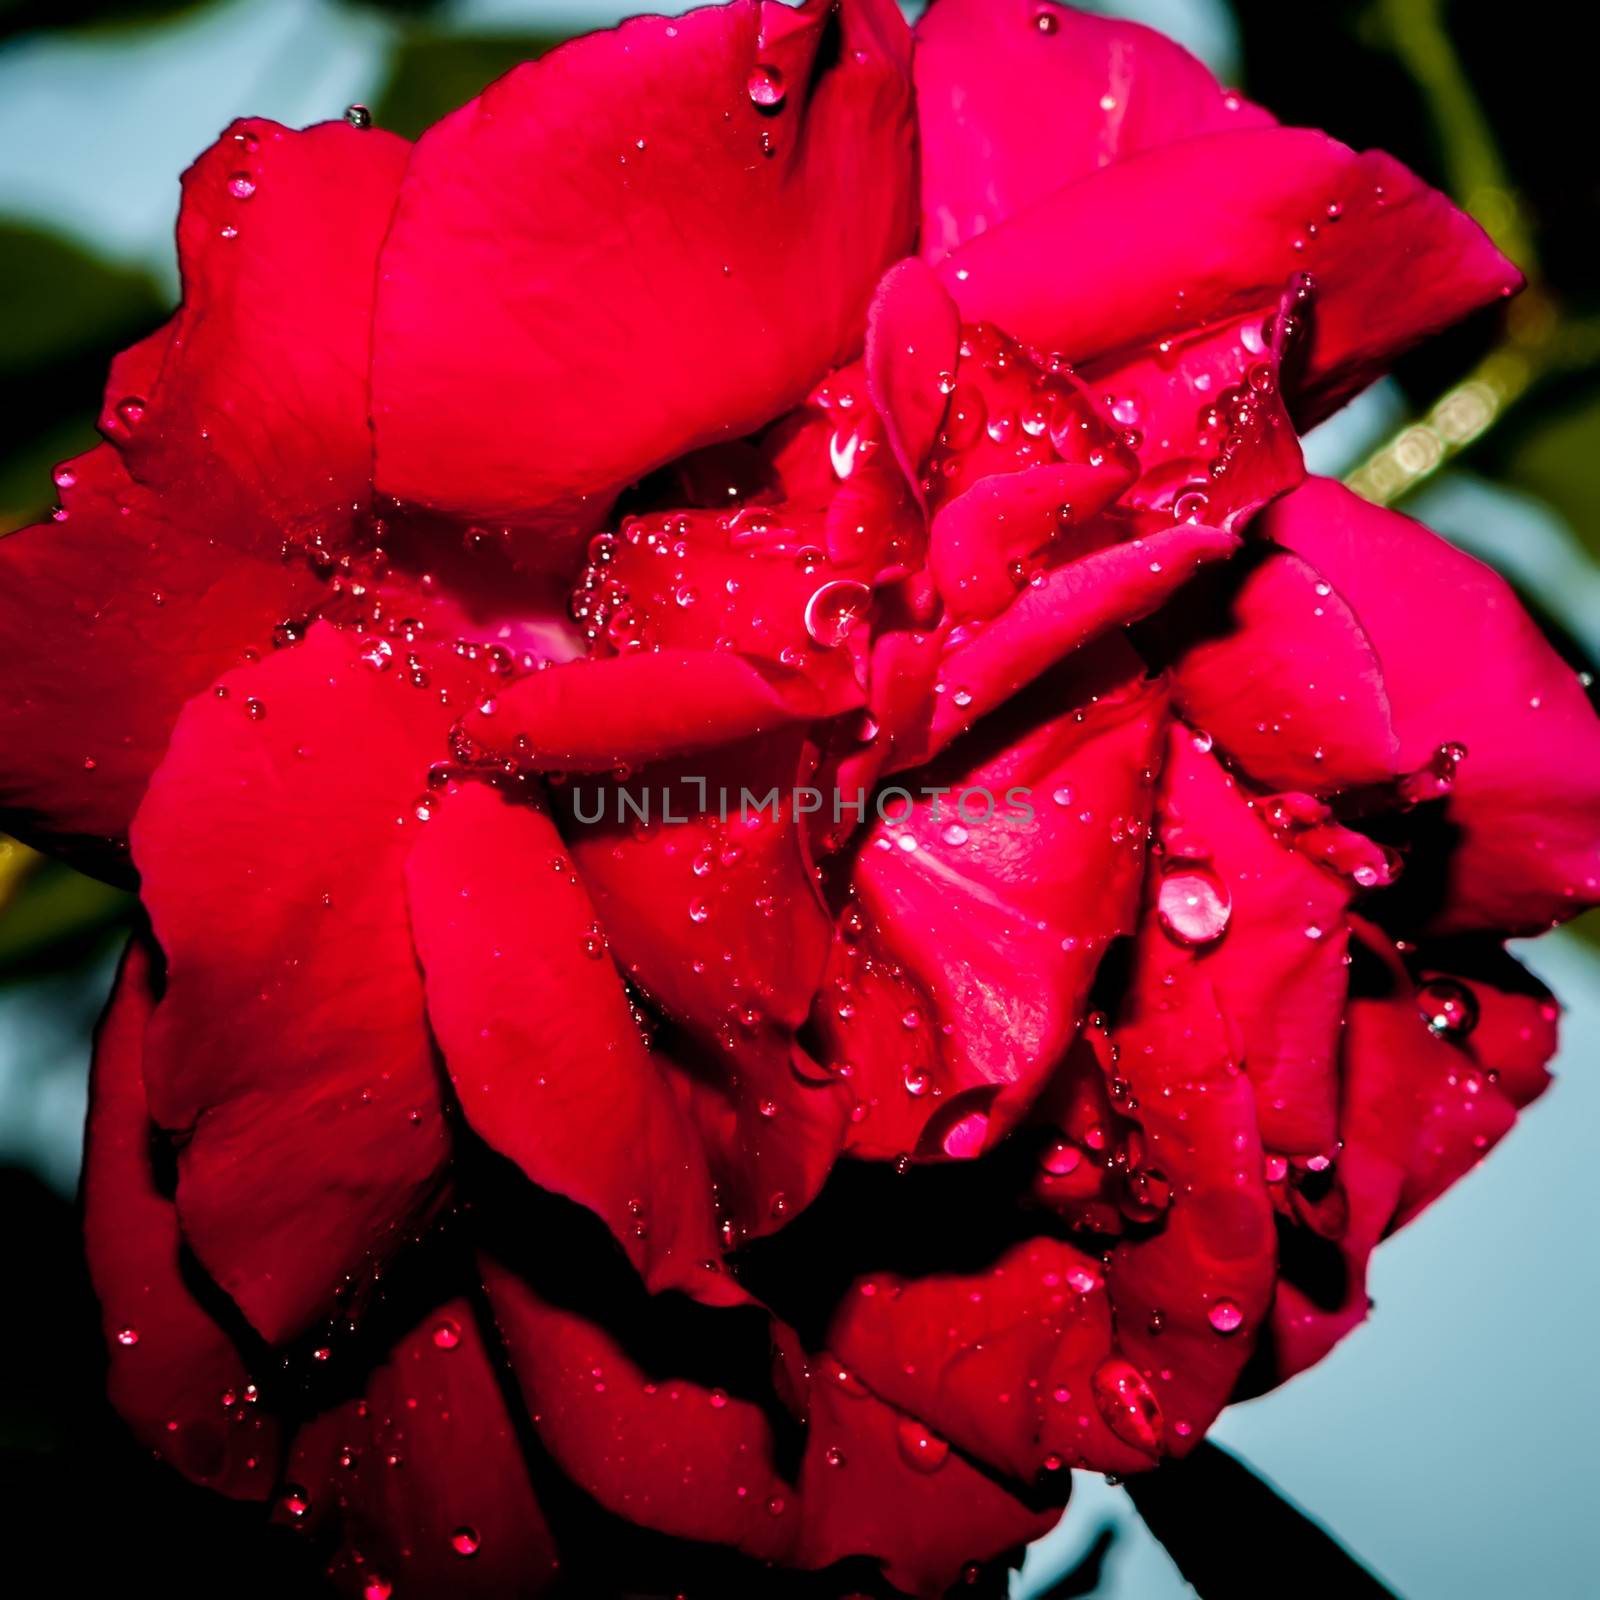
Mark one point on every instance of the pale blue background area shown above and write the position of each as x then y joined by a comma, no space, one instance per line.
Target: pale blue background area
1450,1441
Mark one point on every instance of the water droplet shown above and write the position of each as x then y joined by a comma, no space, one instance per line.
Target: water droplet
376,1588
447,1334
358,116
1128,1404
1047,22
955,835
834,1456
254,709
698,911
834,610
127,1337
767,89
921,1449
1060,1157
1450,1009
465,1541
130,409
295,1500
1225,1317
1193,907
241,186
917,1082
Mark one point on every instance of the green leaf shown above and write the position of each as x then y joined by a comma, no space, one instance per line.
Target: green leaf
433,73
63,316
60,301
57,912
1557,461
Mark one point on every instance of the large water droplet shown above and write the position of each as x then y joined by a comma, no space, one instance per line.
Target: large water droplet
834,610
1449,1008
1193,907
1128,1404
921,1449
465,1541
1225,1317
767,89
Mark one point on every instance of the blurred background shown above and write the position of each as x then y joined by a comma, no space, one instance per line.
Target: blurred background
1448,1443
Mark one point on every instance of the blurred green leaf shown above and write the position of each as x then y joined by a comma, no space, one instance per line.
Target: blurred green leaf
1558,462
58,912
63,314
433,73
60,300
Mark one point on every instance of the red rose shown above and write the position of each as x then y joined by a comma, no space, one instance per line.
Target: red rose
513,1187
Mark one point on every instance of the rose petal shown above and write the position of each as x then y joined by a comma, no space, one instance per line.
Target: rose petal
712,911
1134,285
1464,664
622,224
876,1482
422,1478
591,716
565,1087
975,936
1277,966
700,1463
113,617
259,410
176,1377
1289,685
1190,1299
290,1045
1418,1111
1061,612
1019,97
912,336
978,537
663,1450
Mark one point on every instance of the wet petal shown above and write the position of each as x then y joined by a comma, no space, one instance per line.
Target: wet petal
978,917
591,716
422,1478
664,281
258,415
1019,97
113,617
711,910
1062,611
1463,664
179,1381
1176,266
1285,678
1272,942
1422,1103
912,336
290,1045
538,1039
